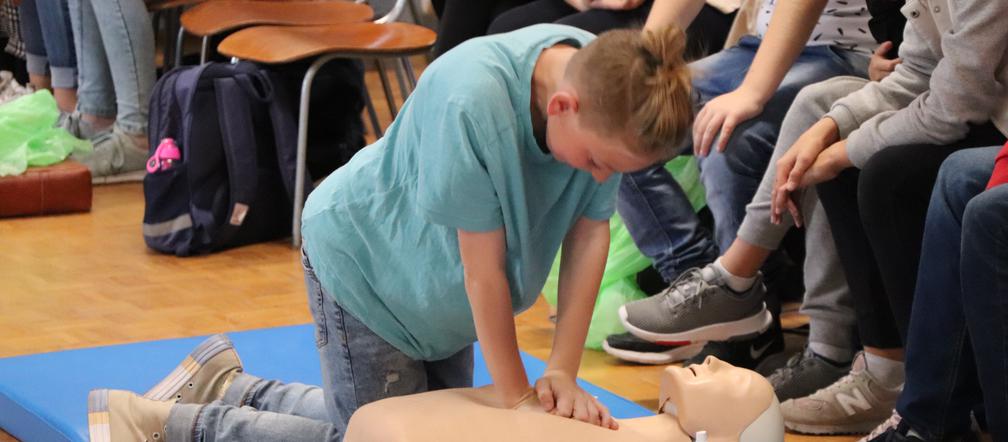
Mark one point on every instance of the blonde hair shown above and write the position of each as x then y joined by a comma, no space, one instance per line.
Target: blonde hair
636,85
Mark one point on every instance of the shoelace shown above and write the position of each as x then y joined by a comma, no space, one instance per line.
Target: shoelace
686,287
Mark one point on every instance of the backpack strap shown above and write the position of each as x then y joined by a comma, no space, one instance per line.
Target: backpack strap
240,150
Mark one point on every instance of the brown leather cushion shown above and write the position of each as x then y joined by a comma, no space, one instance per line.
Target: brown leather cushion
60,188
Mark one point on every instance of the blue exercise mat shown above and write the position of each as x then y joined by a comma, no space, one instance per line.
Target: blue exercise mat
43,397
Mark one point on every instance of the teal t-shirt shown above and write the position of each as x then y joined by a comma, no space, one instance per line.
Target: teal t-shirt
381,233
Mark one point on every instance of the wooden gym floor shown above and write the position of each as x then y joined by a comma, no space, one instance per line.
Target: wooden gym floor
85,280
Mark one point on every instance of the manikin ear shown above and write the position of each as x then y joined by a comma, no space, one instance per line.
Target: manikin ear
560,102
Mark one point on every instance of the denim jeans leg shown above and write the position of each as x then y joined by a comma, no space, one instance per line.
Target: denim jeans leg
95,92
128,39
359,367
984,274
54,16
217,421
31,35
660,219
941,385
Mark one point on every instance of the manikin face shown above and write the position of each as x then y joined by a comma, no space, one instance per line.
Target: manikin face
583,147
715,397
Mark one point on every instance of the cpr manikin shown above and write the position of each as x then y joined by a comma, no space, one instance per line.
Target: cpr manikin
714,400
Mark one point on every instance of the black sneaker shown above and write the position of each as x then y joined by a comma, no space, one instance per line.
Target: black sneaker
631,348
745,353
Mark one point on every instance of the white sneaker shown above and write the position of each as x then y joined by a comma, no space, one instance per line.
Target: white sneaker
855,404
890,423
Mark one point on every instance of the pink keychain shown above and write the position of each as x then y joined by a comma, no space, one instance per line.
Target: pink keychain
166,154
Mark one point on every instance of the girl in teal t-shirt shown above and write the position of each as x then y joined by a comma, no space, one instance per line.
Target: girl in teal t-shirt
509,149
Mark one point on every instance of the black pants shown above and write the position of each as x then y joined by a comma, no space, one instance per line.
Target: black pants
877,216
460,20
706,35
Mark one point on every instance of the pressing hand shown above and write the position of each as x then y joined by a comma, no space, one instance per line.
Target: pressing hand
560,395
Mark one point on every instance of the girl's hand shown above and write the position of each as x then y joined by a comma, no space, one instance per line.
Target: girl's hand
720,116
580,5
619,5
880,67
560,395
793,165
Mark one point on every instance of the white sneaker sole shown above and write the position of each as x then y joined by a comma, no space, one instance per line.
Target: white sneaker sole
184,372
98,416
723,331
673,355
126,177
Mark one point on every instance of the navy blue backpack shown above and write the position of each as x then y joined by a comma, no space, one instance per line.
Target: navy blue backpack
236,130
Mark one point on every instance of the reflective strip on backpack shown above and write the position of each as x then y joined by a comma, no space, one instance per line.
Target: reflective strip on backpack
181,222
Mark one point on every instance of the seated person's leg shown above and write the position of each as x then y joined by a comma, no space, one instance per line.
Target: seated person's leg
533,13
661,220
941,383
985,294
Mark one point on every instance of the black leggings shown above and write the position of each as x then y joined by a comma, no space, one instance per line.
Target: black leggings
460,20
706,35
877,216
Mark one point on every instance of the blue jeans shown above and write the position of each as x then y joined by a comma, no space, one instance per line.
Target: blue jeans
358,367
957,344
115,60
49,41
654,207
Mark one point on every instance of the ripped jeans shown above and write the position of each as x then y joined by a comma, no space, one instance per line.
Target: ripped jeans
358,367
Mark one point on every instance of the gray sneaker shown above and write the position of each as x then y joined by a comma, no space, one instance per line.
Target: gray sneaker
693,309
855,404
116,158
804,374
76,126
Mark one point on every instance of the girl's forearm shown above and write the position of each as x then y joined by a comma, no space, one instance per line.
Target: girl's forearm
581,266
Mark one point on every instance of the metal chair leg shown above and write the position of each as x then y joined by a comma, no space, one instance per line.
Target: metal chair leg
203,49
178,46
387,88
401,79
408,67
372,114
302,147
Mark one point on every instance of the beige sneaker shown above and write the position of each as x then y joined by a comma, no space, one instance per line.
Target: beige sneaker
855,404
203,376
116,415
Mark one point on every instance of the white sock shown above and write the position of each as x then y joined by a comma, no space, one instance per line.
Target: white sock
736,283
833,353
888,372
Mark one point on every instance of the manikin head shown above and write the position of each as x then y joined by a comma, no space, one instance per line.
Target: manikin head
624,103
728,403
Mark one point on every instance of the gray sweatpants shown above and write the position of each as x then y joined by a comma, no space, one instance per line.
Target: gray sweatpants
828,302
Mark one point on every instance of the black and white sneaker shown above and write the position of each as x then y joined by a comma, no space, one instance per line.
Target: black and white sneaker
745,353
631,348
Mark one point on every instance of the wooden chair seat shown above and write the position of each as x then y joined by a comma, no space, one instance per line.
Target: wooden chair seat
161,5
214,17
283,44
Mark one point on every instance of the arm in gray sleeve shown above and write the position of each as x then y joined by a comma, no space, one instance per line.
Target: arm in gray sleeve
963,87
895,91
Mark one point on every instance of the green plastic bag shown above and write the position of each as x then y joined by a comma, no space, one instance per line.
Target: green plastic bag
619,283
28,136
